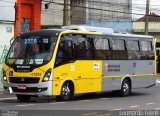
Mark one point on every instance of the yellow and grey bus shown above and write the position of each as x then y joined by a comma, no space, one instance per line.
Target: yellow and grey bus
77,60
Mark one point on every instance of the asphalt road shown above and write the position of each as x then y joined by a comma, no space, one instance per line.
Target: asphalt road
142,101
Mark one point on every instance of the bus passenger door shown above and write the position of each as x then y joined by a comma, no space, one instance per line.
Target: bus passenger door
158,61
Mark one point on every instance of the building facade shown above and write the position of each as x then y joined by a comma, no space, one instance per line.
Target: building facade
52,13
7,18
114,14
153,26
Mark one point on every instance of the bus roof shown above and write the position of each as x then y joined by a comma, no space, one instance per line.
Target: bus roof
103,31
132,35
86,29
50,32
89,29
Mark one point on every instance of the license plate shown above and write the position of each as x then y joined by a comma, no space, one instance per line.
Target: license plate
21,87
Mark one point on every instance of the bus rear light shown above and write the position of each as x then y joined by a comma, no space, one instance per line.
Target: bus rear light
47,76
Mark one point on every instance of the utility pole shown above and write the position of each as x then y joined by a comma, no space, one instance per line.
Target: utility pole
147,16
66,13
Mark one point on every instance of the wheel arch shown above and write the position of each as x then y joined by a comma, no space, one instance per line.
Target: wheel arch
69,81
67,93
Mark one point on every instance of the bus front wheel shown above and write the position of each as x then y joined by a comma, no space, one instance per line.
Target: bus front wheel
23,98
125,88
67,92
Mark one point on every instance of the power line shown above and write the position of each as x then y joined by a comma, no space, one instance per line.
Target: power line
135,8
7,1
94,8
100,16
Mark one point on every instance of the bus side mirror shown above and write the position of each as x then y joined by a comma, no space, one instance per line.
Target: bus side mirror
11,41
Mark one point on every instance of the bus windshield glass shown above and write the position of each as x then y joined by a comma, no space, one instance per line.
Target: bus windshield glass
31,50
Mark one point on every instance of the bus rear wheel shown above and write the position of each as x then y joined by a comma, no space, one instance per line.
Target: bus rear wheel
125,88
23,98
67,92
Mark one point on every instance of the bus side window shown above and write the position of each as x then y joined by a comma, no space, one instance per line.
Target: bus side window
118,51
82,48
64,53
146,50
133,49
101,45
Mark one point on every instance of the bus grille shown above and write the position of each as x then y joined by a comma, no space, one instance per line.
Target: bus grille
29,89
23,80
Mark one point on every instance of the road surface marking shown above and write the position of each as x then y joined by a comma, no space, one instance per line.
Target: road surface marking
83,100
9,98
150,104
104,115
58,103
26,105
90,114
104,98
135,106
117,109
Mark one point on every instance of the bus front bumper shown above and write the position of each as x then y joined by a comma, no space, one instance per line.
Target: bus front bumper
36,89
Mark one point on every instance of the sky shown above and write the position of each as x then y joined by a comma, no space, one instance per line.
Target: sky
139,7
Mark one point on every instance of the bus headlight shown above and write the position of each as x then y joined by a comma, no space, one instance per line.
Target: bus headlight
4,75
47,76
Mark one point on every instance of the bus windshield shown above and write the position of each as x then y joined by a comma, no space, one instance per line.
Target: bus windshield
31,50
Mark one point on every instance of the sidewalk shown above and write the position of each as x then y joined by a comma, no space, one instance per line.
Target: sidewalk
1,85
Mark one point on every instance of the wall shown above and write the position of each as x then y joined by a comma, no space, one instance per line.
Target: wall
117,25
7,18
6,34
154,28
113,9
53,16
78,14
7,11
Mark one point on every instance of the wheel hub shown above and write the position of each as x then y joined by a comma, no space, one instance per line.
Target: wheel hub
125,87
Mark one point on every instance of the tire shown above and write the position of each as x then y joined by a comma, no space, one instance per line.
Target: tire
125,88
23,98
67,92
